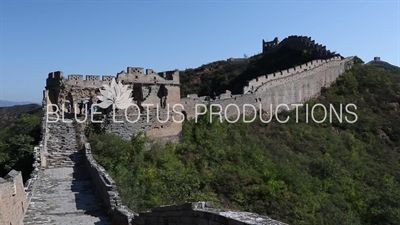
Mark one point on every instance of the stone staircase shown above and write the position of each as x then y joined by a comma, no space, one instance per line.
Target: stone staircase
62,146
63,193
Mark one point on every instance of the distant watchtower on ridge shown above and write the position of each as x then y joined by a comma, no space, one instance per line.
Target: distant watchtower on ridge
269,45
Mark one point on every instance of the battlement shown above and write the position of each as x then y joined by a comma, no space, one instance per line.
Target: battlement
78,78
168,75
89,81
298,43
54,79
75,77
261,80
133,75
290,86
137,75
269,45
55,75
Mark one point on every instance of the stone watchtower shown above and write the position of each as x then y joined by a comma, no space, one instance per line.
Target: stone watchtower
53,89
269,45
377,59
150,91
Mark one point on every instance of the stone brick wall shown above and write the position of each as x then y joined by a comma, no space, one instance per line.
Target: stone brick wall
30,183
269,45
39,155
75,89
13,201
106,189
132,74
155,127
155,121
199,213
291,86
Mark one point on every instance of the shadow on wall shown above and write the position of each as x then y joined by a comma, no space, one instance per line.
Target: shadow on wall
85,198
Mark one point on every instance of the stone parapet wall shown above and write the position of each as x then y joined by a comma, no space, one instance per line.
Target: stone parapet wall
200,213
13,204
279,75
106,189
39,155
34,176
132,75
293,87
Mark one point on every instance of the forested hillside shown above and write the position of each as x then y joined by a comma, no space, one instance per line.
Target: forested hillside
16,145
10,114
19,133
299,173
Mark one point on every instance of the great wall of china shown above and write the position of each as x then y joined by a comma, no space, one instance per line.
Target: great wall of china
68,186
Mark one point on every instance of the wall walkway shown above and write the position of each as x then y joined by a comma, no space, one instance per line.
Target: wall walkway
63,192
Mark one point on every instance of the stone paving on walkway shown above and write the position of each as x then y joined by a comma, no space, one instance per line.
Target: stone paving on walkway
64,194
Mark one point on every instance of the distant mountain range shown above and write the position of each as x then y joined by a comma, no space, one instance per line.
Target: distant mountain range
10,114
4,103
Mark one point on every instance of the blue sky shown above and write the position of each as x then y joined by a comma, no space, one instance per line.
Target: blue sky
104,37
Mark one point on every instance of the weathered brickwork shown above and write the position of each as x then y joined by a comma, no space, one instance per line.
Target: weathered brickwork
13,203
292,86
146,91
63,193
200,213
106,189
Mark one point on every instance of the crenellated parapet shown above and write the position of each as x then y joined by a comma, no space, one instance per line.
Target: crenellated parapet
89,81
146,87
54,79
270,45
299,43
132,75
290,86
255,83
137,75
